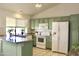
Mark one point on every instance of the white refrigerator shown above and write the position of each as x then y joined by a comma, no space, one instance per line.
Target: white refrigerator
60,36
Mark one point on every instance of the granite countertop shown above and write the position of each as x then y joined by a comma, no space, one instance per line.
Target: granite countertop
18,42
24,41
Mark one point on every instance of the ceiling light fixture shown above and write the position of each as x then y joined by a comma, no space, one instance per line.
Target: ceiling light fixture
38,5
17,15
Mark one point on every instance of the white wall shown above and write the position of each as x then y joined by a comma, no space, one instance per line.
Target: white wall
64,9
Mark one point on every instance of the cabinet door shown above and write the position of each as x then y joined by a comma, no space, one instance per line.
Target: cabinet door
63,37
27,49
32,24
9,49
55,36
49,42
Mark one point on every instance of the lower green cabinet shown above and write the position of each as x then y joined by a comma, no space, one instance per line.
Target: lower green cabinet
17,49
27,49
49,42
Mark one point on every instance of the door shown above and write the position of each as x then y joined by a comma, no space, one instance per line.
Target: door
63,34
55,36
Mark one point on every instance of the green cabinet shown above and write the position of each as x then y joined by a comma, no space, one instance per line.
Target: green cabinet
32,24
26,49
17,49
50,23
49,42
9,49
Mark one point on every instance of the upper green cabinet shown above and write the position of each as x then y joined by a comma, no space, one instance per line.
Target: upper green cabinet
36,23
50,23
32,24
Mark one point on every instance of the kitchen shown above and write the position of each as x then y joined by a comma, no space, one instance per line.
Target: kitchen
52,29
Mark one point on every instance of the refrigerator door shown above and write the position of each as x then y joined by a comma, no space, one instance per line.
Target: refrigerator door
63,40
55,36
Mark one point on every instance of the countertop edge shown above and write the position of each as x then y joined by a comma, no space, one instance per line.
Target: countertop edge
18,42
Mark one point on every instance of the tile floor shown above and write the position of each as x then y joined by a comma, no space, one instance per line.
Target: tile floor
43,52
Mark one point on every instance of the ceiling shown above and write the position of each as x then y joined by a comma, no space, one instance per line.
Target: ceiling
26,8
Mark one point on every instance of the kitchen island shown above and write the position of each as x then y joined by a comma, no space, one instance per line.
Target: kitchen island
23,48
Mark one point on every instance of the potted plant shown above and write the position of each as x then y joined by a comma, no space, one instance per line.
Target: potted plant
75,50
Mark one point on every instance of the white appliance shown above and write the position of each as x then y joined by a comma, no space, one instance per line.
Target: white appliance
41,35
60,37
41,42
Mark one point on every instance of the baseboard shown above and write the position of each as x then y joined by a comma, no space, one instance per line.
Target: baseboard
34,45
60,53
49,48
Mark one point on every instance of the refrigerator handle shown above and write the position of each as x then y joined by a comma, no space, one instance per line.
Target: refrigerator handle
54,33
